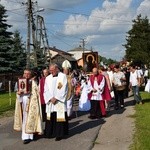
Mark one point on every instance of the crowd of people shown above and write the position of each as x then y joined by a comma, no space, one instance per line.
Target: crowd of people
44,103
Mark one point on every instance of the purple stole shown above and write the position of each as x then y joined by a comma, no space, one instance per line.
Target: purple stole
99,79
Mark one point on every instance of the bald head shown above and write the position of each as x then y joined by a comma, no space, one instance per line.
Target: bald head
95,71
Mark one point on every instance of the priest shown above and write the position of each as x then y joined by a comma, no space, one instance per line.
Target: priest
28,109
55,92
96,87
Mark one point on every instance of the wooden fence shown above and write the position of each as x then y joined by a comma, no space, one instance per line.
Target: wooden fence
5,78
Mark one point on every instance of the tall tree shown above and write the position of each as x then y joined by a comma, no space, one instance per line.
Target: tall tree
138,41
106,61
41,58
19,54
5,43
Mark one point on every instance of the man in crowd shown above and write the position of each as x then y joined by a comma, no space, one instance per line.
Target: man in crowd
55,92
119,82
135,83
45,73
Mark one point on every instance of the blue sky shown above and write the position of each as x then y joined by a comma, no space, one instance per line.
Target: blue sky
102,23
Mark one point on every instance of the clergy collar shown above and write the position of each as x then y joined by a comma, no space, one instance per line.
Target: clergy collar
56,75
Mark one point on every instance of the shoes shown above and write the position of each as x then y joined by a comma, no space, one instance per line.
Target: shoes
122,106
27,141
134,102
116,108
92,117
141,103
104,116
69,118
58,138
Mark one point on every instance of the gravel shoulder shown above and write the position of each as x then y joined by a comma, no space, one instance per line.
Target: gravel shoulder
117,132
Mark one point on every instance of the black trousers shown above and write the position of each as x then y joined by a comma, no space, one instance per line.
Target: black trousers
95,110
56,129
119,97
43,107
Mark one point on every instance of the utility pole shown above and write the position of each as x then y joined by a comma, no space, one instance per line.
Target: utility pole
41,37
33,38
83,46
31,28
28,32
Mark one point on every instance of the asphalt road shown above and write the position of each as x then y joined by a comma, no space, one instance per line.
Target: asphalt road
82,135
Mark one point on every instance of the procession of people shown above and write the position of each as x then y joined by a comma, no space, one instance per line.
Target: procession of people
44,102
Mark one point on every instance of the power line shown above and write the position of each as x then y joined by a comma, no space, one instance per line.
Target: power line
15,20
15,9
76,13
60,39
89,24
14,1
16,13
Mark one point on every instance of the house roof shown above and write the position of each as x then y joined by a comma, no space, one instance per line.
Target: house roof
70,58
59,51
79,49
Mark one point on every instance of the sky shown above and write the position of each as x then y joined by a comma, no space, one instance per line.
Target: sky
103,24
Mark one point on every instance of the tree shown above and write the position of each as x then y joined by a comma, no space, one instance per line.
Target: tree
19,54
41,58
106,61
5,43
138,41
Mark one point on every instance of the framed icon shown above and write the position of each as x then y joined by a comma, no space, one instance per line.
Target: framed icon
90,60
23,85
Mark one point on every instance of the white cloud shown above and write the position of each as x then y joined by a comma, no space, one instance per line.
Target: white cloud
17,11
112,17
106,25
144,8
16,14
105,28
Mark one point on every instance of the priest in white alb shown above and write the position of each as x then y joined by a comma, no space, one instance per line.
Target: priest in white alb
55,92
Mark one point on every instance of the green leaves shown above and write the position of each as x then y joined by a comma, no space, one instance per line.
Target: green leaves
5,43
138,41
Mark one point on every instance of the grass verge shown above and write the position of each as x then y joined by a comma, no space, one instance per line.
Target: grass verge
141,139
7,108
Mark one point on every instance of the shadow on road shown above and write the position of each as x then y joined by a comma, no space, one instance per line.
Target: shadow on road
112,110
77,127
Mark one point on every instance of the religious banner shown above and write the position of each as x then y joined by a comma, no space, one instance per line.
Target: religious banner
23,85
90,60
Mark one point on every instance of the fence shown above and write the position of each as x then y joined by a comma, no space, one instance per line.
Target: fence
5,78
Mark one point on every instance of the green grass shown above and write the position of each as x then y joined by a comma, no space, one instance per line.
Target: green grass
141,139
5,107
